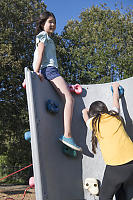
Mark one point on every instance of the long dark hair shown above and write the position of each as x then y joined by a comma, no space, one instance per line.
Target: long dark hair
42,19
96,109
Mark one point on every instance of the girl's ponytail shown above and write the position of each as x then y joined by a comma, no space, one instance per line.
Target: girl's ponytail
96,109
95,129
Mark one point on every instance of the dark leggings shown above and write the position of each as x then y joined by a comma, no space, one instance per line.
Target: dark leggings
113,180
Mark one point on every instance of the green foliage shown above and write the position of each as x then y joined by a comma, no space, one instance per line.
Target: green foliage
97,48
17,46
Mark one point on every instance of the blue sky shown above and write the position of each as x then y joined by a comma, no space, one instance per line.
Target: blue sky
65,10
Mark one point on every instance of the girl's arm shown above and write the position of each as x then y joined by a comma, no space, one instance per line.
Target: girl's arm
85,114
116,95
39,60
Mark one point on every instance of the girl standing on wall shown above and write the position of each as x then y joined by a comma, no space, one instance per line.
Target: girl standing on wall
116,146
45,65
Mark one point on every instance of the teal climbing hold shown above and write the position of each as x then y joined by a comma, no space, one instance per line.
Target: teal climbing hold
69,151
120,90
27,136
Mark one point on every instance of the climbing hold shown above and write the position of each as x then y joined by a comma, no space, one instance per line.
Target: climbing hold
31,182
78,89
75,88
27,136
71,88
24,84
69,151
52,106
120,90
91,184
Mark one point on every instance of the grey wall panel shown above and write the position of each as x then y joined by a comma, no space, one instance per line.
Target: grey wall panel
58,177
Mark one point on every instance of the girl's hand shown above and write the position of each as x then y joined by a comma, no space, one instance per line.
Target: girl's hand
116,104
115,86
85,110
40,76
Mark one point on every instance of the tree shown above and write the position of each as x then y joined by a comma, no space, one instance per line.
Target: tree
97,48
17,46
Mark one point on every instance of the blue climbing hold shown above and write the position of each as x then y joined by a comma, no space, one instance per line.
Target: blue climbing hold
120,90
27,136
52,106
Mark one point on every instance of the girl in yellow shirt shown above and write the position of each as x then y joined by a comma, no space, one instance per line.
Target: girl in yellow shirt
116,146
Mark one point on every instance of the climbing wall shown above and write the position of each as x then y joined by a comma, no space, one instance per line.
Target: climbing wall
58,177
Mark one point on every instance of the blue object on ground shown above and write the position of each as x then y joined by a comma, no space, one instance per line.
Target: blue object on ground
27,136
120,90
52,106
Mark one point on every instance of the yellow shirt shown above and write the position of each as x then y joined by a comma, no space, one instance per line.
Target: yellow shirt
115,144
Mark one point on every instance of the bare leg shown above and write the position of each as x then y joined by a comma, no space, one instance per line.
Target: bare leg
62,89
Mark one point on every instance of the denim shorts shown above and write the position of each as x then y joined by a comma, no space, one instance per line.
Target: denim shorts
50,72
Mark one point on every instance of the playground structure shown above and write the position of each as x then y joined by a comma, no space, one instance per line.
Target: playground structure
57,176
